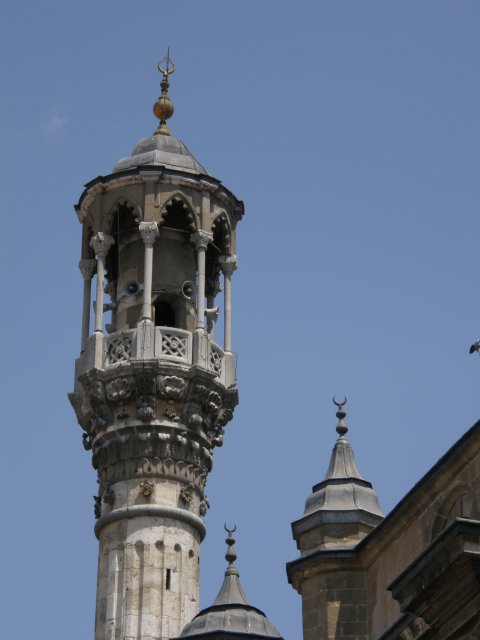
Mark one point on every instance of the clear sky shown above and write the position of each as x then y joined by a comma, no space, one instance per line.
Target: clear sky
351,131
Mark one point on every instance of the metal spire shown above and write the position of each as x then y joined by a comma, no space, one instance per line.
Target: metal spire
163,107
341,426
231,554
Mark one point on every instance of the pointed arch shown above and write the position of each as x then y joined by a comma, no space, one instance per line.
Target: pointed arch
122,202
220,245
122,220
222,233
177,213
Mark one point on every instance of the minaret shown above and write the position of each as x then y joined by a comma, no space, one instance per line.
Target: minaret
153,388
339,513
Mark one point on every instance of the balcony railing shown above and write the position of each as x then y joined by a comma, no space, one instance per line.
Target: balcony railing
173,344
163,343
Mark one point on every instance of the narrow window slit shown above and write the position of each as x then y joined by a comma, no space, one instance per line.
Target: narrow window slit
168,579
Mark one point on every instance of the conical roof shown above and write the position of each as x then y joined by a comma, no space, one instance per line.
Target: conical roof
231,615
343,496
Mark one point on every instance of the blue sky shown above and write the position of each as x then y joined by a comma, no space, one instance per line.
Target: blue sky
351,131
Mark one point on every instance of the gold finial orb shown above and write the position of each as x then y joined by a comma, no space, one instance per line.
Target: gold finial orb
163,107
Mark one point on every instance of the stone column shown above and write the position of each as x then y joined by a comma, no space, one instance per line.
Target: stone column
201,239
149,232
87,268
228,264
101,243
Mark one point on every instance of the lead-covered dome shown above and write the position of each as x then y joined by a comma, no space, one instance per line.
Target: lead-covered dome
161,150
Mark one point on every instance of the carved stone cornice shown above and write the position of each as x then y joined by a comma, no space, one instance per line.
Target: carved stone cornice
101,243
201,239
137,392
228,263
450,564
149,232
87,267
152,452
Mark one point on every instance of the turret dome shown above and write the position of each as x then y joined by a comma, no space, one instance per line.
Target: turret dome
161,150
231,615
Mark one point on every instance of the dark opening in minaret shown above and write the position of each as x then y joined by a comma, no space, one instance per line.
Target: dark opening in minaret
164,314
178,217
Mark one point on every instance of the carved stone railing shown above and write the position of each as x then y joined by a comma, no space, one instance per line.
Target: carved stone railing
169,343
216,360
173,344
119,347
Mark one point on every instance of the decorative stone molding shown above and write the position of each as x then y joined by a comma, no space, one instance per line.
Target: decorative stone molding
209,399
148,231
109,495
147,488
228,263
170,413
87,267
186,493
146,407
195,421
95,389
171,387
101,243
225,417
204,506
201,239
119,389
133,451
102,416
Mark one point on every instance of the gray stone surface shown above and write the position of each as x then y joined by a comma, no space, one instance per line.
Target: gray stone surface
231,614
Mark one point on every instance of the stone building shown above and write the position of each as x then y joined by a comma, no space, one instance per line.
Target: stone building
413,574
153,393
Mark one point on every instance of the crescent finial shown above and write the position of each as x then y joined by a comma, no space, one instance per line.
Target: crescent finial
230,531
169,61
340,405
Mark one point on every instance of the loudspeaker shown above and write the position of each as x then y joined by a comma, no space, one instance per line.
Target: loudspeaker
212,314
131,288
188,289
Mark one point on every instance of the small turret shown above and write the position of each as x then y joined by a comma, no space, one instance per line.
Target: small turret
230,617
339,513
343,507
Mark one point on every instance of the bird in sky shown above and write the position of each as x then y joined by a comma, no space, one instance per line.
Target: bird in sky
475,347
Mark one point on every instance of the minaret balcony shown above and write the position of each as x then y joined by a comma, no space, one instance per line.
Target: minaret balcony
167,345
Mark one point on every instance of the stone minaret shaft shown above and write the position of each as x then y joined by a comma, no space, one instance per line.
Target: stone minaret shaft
153,391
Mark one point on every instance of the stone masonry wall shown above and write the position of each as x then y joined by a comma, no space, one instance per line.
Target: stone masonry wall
335,606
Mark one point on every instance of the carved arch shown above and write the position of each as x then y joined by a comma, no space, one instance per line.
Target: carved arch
122,220
222,233
122,201
221,245
176,207
460,502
